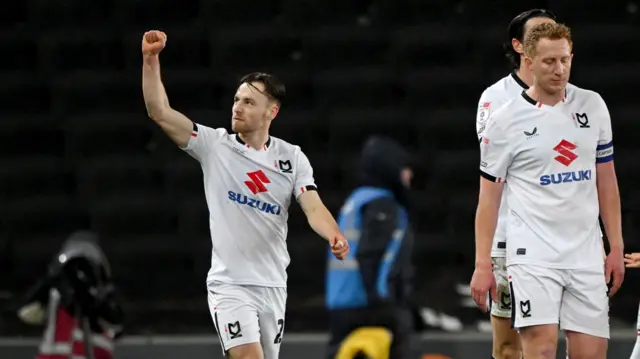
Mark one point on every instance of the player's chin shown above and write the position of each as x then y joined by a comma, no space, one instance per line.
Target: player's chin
238,126
557,85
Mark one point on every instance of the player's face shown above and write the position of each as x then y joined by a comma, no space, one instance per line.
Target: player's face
252,110
551,65
530,24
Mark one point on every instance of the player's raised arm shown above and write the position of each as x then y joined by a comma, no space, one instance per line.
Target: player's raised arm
609,201
177,126
318,216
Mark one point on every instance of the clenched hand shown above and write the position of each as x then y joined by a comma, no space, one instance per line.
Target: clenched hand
153,42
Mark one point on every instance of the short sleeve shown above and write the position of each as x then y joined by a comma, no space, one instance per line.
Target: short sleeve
495,153
304,176
202,140
482,116
604,151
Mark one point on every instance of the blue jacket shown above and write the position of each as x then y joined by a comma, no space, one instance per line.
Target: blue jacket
375,226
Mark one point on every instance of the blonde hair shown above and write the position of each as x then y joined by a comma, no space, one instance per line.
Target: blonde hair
549,30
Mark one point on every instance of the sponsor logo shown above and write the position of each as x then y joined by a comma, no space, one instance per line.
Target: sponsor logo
566,177
565,149
259,205
258,181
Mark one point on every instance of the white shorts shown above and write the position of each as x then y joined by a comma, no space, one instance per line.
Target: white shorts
574,298
248,314
502,307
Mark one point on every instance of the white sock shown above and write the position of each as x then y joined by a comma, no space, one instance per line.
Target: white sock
636,349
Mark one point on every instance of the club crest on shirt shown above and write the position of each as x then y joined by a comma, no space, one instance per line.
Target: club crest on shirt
580,120
284,166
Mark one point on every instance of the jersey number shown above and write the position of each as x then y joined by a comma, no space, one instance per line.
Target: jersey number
278,339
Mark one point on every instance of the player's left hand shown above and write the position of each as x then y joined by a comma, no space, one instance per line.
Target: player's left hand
339,246
632,260
614,269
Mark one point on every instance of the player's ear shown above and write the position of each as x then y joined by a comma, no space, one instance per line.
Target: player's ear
528,62
273,111
517,46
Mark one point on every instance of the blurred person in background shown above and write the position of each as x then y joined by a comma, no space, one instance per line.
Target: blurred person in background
249,180
75,299
632,260
371,287
506,343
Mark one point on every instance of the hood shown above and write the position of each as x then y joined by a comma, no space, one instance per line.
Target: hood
381,163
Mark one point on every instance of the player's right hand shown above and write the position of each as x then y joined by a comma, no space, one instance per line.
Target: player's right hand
614,271
632,260
339,246
482,283
153,42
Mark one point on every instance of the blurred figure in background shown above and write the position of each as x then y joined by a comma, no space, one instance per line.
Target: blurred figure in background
75,297
371,287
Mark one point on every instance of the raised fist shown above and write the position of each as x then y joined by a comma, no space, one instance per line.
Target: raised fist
153,42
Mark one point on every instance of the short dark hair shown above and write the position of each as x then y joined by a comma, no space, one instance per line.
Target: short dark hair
273,87
516,31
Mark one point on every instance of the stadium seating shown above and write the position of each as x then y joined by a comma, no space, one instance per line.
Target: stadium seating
77,150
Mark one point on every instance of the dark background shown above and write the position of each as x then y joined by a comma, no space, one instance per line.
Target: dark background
77,150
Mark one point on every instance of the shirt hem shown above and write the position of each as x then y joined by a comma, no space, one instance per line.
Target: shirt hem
245,282
554,265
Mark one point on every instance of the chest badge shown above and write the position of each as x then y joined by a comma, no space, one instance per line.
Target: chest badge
284,166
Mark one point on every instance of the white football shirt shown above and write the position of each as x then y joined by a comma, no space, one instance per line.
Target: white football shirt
548,157
248,192
493,98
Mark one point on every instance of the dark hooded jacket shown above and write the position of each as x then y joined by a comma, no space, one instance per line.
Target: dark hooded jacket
381,163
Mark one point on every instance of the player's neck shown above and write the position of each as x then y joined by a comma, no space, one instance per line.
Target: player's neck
524,75
256,139
544,97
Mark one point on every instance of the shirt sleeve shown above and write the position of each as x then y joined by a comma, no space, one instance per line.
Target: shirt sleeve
304,176
202,141
482,116
495,153
604,151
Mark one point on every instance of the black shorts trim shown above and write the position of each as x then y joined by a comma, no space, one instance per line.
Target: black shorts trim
513,306
217,325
